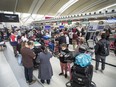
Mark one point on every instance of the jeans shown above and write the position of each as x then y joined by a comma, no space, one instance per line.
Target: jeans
28,74
102,59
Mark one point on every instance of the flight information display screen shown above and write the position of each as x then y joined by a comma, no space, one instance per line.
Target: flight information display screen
9,17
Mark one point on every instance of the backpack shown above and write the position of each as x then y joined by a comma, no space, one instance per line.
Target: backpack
104,51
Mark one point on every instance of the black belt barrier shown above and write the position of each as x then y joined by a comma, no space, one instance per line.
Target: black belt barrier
106,63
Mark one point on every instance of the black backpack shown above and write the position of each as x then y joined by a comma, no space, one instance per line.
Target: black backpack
104,50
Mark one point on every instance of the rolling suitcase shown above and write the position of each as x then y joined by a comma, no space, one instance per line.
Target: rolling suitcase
81,77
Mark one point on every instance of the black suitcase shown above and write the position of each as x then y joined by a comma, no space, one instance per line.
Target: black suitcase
81,76
80,80
82,70
74,84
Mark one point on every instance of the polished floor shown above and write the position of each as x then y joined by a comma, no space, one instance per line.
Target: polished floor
12,74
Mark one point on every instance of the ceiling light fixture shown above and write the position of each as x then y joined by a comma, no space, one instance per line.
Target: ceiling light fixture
65,7
105,8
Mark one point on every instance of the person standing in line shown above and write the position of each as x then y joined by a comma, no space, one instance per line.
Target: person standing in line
13,41
27,60
62,39
24,37
45,68
19,32
67,40
101,52
71,36
62,55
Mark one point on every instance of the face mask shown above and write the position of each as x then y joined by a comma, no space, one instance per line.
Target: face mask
63,48
31,47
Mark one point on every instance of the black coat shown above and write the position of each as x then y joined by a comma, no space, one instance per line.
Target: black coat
62,39
63,52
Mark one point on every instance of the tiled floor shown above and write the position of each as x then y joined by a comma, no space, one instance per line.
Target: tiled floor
17,69
7,77
106,79
12,74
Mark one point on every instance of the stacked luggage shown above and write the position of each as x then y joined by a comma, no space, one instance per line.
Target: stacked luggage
82,71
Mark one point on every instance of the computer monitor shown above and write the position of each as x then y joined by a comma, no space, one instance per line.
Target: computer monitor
9,17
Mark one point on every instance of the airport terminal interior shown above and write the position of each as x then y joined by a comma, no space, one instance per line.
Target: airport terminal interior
57,43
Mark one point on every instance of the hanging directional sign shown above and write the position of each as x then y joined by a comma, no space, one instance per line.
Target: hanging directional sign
69,22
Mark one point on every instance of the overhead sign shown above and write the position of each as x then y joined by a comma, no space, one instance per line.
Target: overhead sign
61,27
47,27
100,27
9,17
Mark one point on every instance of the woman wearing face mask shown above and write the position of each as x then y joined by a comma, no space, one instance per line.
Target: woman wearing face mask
63,64
45,68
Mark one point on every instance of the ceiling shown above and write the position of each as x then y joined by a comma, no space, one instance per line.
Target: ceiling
50,7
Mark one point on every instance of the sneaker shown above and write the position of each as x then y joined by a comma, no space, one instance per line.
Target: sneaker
65,75
61,74
32,82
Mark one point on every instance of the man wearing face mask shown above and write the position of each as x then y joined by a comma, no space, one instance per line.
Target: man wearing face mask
27,60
